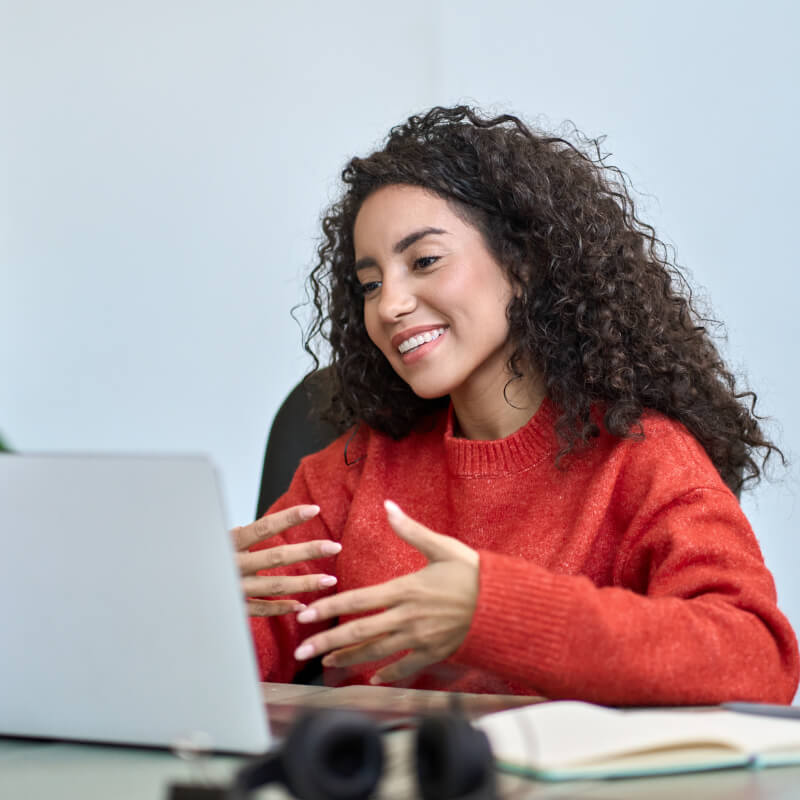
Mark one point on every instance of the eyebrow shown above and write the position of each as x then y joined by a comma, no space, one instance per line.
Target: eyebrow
400,246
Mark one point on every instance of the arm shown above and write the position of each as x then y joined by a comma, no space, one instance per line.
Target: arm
691,617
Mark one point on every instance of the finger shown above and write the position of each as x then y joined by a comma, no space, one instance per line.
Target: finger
272,608
373,650
434,546
270,524
280,556
355,601
404,668
350,633
270,585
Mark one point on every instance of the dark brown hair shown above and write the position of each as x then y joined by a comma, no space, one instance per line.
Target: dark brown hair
600,309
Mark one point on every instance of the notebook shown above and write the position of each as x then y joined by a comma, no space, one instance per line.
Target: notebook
121,619
571,740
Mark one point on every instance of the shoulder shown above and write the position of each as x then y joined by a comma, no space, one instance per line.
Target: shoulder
662,459
674,447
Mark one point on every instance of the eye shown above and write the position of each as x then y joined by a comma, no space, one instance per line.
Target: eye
425,261
366,289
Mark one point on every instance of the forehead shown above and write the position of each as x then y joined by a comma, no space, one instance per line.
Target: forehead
392,212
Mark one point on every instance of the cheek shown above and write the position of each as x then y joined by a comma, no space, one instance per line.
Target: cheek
483,296
498,294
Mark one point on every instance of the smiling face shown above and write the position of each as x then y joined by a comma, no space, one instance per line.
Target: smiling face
435,299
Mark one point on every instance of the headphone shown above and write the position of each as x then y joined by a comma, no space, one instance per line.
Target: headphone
338,755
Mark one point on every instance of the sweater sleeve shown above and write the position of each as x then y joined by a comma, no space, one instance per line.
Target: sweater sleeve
276,638
689,618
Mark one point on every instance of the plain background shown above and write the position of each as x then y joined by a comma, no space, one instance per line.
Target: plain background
165,165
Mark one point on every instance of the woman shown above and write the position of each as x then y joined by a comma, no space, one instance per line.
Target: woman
532,493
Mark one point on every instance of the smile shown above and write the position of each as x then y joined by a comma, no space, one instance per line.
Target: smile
414,342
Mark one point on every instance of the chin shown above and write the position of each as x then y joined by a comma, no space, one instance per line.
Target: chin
427,392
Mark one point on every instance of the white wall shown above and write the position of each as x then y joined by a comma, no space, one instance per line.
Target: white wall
164,165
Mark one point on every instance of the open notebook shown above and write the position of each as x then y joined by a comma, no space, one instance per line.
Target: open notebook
121,618
569,740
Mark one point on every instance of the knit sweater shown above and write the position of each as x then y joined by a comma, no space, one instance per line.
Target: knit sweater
625,575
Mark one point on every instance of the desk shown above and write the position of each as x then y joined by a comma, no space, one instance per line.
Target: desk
39,770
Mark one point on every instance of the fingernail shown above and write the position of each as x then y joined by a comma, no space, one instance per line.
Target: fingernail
304,651
391,507
327,580
307,615
300,606
330,548
307,512
375,681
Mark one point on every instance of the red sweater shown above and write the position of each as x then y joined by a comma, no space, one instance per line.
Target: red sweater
629,576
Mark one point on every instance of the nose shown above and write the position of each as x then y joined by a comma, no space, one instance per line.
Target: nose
396,298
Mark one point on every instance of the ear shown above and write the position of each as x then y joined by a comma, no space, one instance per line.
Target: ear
521,277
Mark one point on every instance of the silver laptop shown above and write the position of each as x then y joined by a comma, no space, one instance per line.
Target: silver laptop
121,618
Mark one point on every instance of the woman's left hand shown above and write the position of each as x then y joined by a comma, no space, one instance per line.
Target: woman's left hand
427,612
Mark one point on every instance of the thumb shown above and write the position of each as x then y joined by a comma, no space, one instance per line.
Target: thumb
434,546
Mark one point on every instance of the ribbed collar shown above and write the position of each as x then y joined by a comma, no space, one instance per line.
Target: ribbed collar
496,457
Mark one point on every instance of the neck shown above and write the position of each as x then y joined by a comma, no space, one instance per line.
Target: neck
493,414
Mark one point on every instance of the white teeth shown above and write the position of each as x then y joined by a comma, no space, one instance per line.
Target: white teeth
415,341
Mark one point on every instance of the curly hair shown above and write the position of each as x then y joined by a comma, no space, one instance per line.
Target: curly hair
599,309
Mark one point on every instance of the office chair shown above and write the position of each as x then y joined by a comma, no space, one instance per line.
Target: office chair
296,431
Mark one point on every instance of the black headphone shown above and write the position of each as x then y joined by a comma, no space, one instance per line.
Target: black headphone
338,755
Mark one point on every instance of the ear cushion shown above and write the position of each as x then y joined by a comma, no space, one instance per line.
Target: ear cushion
333,755
454,760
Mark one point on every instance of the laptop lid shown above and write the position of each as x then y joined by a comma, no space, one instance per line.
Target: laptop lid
121,618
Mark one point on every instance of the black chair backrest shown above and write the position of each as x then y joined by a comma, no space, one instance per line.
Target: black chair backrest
296,432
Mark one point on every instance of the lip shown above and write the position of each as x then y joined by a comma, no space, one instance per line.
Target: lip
418,353
399,338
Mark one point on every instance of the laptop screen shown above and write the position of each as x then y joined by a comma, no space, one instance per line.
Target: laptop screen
121,618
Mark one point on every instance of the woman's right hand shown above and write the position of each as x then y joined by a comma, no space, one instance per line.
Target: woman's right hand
254,585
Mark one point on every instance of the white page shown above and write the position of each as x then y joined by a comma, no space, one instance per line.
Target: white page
563,733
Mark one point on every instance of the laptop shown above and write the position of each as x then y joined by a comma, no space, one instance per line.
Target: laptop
121,618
